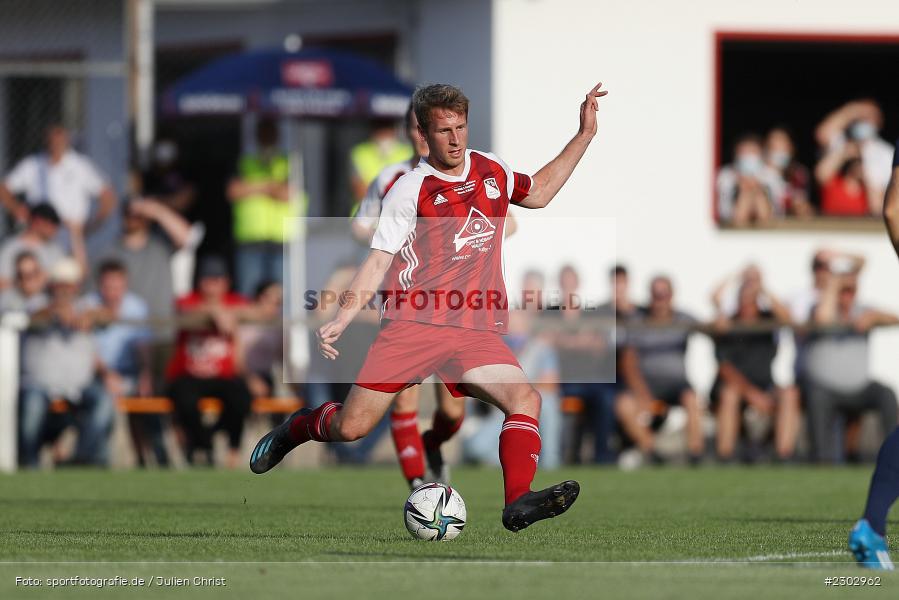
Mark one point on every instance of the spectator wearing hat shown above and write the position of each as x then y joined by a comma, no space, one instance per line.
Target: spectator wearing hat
836,380
60,362
206,362
27,294
37,238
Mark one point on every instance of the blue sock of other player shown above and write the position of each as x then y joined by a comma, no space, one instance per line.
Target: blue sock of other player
884,484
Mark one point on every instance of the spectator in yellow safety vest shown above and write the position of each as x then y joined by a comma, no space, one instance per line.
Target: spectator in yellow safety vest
382,148
263,209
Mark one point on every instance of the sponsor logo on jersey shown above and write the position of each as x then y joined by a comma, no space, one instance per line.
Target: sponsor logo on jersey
492,188
440,199
476,231
465,187
536,458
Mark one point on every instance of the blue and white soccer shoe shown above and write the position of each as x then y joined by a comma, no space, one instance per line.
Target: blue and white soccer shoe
869,548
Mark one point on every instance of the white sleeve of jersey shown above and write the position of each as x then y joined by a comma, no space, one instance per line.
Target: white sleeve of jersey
370,207
398,214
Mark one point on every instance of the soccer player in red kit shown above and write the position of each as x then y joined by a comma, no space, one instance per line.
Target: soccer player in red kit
445,301
412,448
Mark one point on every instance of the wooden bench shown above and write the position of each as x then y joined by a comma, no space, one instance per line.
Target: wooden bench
160,405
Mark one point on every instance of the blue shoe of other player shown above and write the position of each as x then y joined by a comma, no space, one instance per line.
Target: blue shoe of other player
869,548
274,445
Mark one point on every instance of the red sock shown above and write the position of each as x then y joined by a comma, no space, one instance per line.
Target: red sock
519,450
407,440
442,429
315,425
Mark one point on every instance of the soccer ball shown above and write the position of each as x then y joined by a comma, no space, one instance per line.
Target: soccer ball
434,512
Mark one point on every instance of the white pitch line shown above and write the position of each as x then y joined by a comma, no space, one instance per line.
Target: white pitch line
774,557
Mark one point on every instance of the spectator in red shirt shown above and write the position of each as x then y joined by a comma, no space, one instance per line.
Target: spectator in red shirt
843,193
205,362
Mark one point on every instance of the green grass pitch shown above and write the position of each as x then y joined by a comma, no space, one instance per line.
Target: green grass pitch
335,533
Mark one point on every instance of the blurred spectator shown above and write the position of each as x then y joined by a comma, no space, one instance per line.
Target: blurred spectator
262,342
532,287
27,292
262,204
63,178
836,379
726,295
620,303
382,148
38,238
849,133
653,366
780,155
151,232
59,362
842,181
745,351
163,181
749,191
206,362
124,350
331,381
540,364
365,219
824,263
586,363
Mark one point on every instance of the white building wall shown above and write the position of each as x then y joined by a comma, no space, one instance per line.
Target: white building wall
651,164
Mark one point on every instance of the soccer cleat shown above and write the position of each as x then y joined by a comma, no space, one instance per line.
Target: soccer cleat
416,483
438,471
274,445
536,506
869,548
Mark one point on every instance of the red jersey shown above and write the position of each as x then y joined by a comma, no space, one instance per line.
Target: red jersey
837,198
204,353
446,233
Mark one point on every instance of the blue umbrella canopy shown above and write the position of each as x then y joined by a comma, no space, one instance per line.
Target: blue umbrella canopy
309,83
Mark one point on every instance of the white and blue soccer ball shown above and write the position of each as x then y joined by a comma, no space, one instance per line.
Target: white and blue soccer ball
434,512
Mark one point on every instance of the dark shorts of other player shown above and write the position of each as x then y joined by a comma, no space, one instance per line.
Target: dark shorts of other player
405,353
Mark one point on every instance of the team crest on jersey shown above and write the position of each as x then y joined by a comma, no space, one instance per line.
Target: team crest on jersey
491,188
440,199
477,228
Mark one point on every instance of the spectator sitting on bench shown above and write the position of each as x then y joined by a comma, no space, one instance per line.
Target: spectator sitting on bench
206,362
125,352
59,362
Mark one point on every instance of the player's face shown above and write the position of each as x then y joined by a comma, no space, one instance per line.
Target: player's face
447,137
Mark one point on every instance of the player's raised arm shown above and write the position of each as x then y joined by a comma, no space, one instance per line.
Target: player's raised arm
891,203
549,180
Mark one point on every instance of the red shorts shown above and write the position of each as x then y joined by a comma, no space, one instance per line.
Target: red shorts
405,353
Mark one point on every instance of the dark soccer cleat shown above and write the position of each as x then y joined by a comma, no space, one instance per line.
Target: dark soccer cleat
438,471
274,445
536,506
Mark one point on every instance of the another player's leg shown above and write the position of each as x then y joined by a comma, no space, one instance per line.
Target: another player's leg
867,540
330,422
406,437
447,420
506,387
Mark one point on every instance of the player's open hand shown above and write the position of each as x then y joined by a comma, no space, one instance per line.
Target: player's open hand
588,110
327,335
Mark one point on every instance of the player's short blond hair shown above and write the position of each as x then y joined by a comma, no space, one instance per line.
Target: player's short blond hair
438,95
